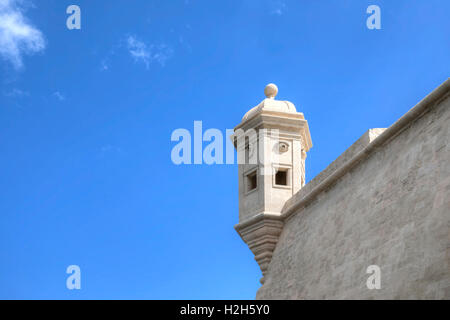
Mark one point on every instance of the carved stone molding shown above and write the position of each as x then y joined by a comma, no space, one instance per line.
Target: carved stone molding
261,234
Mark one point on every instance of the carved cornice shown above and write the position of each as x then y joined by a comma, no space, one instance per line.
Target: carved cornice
286,123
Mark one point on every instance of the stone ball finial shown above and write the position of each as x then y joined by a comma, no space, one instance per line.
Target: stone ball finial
271,91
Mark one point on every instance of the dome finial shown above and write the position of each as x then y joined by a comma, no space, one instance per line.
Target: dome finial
271,91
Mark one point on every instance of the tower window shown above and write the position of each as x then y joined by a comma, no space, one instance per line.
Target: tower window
251,181
281,177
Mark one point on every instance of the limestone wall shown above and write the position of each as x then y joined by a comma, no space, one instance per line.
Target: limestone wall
392,209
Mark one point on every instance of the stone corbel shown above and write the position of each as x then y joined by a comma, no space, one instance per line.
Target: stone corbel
261,234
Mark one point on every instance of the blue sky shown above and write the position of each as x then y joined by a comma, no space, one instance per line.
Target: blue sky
86,118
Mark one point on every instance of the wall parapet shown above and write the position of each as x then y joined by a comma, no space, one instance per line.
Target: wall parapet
360,150
368,137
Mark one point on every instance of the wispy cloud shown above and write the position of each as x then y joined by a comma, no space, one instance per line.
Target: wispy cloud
58,95
110,148
104,66
277,7
16,93
17,36
147,54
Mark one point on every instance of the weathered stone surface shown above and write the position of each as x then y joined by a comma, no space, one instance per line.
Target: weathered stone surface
347,155
391,209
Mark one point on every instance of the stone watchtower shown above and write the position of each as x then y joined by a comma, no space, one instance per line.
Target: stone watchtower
271,141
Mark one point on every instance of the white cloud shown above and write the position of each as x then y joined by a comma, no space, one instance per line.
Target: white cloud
277,12
17,36
148,54
277,7
110,150
161,53
138,50
58,95
16,93
104,65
